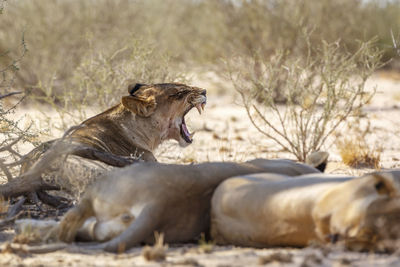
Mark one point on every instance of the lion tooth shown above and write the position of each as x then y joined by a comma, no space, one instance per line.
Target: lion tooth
198,108
203,105
192,134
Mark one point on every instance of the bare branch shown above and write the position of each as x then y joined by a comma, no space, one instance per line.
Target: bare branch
54,201
9,94
16,208
5,170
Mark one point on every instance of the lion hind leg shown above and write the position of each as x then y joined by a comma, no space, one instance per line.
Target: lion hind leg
74,219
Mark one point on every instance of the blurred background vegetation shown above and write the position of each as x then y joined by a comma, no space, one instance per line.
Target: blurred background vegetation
71,42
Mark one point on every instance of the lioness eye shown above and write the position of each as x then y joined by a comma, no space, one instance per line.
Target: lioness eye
179,95
382,188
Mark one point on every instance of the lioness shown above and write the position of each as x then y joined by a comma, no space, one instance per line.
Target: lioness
129,204
136,126
150,115
274,210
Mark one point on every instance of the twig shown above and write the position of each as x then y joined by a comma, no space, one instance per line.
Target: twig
31,181
9,94
5,170
9,146
56,202
16,208
396,48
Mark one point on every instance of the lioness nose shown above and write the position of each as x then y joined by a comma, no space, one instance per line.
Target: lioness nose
204,92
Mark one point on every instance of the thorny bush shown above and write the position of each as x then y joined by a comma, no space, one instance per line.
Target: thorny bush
298,102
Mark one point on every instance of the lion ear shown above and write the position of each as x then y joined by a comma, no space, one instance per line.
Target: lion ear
141,106
132,88
384,184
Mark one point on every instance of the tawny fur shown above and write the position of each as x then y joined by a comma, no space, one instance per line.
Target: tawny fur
170,199
269,210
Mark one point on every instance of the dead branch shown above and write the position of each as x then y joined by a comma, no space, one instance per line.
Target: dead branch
16,208
54,201
10,145
9,94
5,170
31,181
23,185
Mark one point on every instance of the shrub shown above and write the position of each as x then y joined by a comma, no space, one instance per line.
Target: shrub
11,132
319,90
193,32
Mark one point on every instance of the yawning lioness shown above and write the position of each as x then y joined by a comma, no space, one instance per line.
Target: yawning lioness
135,127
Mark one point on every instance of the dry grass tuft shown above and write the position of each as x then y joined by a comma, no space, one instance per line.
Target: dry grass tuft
205,246
357,154
158,252
355,150
28,236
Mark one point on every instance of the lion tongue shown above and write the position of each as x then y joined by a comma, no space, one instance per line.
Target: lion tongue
186,132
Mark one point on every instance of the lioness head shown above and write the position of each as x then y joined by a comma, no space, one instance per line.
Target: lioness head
166,104
363,212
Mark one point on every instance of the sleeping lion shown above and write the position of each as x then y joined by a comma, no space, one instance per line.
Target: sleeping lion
126,206
269,210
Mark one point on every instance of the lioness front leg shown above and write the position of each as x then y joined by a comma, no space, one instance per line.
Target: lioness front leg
94,230
141,229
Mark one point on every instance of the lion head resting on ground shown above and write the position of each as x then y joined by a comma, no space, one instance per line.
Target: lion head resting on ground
268,210
150,115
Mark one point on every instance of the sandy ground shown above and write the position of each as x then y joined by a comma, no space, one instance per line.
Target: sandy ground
224,133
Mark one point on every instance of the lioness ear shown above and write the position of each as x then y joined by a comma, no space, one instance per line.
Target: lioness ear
383,184
132,88
141,106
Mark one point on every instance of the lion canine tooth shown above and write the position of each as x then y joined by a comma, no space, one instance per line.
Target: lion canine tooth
198,108
203,105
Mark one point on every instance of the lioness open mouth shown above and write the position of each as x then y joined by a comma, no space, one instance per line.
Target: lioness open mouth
186,135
